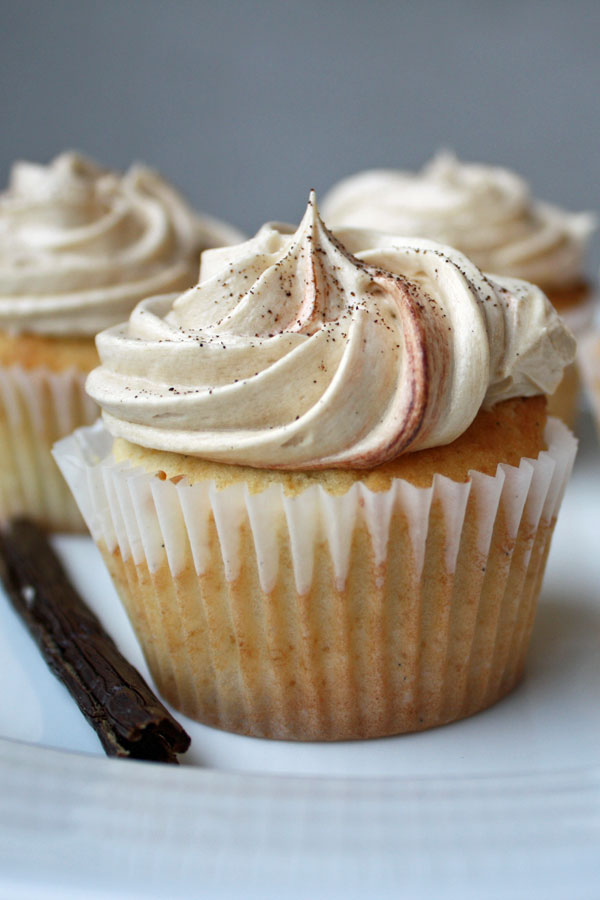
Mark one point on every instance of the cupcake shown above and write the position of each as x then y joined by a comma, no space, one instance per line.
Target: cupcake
324,484
489,214
590,367
79,247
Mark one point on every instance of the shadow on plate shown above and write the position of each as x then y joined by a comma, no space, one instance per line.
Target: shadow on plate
566,641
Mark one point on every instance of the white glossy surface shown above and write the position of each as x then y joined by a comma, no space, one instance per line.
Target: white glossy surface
504,804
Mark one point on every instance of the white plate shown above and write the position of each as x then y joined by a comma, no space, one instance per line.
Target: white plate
506,804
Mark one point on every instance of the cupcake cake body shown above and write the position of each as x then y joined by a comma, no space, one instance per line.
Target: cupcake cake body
488,213
590,365
79,247
332,490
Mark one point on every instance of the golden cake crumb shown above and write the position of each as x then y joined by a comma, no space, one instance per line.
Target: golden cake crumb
509,431
568,298
32,351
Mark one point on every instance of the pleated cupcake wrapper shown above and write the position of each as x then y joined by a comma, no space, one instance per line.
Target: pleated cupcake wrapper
37,407
321,616
589,362
580,317
565,401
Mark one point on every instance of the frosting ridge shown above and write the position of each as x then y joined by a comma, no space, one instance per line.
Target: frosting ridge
80,245
301,350
487,212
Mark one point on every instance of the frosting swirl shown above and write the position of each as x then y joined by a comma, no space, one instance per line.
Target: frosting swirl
486,212
80,246
293,353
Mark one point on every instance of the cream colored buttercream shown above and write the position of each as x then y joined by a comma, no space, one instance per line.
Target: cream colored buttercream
486,212
293,353
80,246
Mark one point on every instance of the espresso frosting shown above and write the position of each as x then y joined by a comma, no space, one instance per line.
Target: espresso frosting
486,212
297,350
80,246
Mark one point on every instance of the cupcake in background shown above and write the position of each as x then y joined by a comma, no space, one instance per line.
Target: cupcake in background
324,484
590,367
79,247
489,214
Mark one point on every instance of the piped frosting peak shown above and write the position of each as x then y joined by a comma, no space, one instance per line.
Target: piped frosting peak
485,211
80,245
299,349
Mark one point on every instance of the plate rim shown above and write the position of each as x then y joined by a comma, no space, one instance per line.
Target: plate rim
390,836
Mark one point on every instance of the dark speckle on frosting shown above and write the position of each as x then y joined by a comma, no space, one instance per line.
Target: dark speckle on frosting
299,349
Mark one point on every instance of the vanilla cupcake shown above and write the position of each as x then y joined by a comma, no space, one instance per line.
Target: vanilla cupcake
590,366
489,214
324,483
79,247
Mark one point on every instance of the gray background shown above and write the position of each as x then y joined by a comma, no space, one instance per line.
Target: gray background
247,105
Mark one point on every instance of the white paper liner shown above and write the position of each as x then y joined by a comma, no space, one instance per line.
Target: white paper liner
148,518
580,317
297,617
589,363
564,403
37,407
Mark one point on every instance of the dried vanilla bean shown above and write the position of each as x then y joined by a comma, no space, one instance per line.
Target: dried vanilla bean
129,719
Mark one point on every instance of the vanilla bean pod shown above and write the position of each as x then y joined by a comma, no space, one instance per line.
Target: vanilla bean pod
110,692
